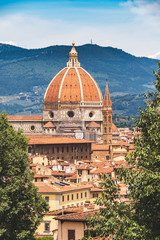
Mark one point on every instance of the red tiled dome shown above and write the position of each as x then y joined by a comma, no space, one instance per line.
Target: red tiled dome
73,85
114,128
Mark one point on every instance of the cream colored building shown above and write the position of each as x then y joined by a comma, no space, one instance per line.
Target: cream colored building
72,226
60,196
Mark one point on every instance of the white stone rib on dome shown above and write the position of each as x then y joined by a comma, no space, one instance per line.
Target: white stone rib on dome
99,92
52,81
60,89
80,83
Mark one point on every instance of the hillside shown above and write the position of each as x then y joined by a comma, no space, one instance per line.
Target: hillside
23,70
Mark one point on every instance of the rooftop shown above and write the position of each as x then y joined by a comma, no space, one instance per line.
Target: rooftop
47,139
55,188
80,216
25,118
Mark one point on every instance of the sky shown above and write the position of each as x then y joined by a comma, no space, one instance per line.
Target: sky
130,25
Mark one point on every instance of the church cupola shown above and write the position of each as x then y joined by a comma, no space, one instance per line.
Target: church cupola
73,58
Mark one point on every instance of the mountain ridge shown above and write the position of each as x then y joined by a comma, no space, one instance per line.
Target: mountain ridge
22,70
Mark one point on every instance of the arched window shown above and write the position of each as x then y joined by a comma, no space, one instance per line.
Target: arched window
109,119
105,130
109,130
105,118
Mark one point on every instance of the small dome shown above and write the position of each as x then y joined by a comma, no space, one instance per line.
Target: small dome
114,128
93,125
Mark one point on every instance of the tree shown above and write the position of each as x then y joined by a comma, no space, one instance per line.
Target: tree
114,219
21,206
144,183
141,218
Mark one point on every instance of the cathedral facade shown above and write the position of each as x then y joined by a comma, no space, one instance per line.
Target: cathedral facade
73,106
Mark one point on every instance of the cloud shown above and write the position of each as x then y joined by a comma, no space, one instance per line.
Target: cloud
34,32
143,7
146,16
155,56
28,30
129,30
9,42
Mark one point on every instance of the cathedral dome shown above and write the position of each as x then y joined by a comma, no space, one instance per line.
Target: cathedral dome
73,84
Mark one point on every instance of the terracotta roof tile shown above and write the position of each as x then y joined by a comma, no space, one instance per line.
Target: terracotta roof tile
49,125
53,89
93,125
73,177
70,90
65,211
24,118
63,174
53,188
114,128
45,139
99,146
99,164
87,161
90,88
77,216
65,164
39,176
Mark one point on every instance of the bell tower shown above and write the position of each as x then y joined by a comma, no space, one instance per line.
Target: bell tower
107,117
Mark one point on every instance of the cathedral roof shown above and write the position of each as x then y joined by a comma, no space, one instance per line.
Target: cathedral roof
73,84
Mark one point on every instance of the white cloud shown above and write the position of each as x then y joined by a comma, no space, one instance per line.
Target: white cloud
143,7
33,32
146,7
9,42
137,35
155,56
146,18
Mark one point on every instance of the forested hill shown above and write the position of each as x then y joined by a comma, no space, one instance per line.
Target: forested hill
25,75
22,69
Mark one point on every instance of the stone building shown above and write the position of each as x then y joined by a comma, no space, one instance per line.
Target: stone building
73,106
58,147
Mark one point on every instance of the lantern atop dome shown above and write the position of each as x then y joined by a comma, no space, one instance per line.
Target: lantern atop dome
73,57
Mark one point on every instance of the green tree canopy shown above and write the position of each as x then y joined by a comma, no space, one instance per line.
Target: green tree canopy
115,218
141,218
144,183
21,206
